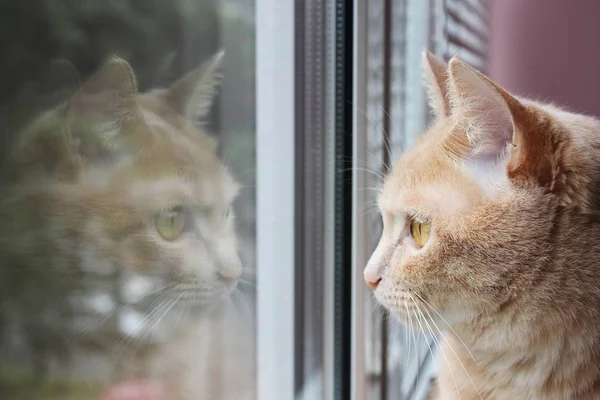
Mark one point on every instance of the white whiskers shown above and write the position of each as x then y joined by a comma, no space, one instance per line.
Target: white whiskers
445,339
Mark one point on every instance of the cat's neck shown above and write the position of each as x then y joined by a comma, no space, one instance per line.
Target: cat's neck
530,347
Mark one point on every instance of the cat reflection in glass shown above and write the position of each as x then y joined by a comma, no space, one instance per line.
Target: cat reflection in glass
118,240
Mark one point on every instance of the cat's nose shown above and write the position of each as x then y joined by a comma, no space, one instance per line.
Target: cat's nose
229,280
231,274
373,284
372,278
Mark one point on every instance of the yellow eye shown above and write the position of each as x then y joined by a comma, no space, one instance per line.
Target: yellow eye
419,231
170,223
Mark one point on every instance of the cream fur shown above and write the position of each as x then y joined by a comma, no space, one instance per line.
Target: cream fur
510,272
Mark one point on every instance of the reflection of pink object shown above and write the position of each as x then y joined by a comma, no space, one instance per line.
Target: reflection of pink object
135,389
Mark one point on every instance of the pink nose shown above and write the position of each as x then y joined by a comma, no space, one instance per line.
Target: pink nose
229,280
231,274
373,284
372,277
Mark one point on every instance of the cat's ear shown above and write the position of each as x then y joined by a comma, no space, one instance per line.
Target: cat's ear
435,73
109,96
104,116
487,112
192,95
499,129
98,123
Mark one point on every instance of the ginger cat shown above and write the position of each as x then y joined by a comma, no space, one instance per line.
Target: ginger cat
120,194
492,233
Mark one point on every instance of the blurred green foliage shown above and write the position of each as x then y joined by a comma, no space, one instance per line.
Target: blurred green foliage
16,384
86,32
146,33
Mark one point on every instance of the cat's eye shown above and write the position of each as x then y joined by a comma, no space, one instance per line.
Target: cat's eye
419,231
170,223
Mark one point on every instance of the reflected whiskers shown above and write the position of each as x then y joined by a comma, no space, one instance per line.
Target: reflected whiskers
237,294
85,331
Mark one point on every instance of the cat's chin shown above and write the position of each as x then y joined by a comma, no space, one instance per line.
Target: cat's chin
404,311
200,306
393,301
403,317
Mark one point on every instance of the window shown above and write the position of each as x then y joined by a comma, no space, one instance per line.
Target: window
117,253
120,239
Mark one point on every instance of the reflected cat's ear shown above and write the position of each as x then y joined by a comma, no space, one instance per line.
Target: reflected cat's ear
435,73
192,95
103,115
99,123
110,95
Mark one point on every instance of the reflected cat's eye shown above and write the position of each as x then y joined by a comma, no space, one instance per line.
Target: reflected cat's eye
419,231
170,223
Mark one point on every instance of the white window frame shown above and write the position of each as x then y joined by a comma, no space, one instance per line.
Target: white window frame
275,198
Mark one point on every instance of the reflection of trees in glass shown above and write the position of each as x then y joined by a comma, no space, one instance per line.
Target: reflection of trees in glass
85,32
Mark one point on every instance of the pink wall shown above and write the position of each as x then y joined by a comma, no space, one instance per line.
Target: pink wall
548,49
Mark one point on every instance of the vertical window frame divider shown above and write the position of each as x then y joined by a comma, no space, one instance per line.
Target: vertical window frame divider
343,198
275,160
360,252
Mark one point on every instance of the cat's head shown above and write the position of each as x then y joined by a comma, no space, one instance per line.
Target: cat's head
138,183
475,212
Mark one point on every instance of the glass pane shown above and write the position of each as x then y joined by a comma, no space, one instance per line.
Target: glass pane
127,215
